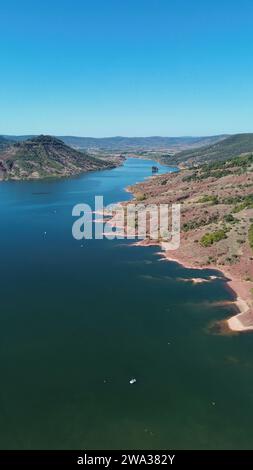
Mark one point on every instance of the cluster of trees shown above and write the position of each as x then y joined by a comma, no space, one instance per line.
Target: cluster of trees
241,161
246,202
210,238
194,224
219,169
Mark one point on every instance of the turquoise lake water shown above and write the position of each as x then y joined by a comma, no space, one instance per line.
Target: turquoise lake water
78,320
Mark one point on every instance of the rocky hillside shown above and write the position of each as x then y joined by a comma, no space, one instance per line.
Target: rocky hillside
232,146
43,157
216,219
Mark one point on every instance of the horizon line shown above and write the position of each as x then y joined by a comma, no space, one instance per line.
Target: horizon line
187,136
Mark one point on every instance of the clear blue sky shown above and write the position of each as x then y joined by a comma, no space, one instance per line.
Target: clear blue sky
133,67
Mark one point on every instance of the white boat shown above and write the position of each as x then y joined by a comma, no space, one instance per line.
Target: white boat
132,381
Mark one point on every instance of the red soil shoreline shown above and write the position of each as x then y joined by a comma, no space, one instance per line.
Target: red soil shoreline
243,320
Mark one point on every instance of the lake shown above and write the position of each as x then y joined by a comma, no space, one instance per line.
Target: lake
79,320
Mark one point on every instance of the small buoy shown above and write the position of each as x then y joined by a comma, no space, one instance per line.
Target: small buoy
132,381
213,403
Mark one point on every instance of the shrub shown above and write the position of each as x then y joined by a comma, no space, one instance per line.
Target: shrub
251,236
194,224
210,238
229,218
140,197
209,198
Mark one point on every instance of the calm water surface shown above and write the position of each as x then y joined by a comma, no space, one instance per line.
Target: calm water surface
78,322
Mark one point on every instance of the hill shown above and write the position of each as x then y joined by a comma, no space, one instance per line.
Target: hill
132,143
138,143
4,143
232,146
45,156
216,222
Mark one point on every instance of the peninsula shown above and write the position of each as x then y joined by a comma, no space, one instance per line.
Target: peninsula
44,157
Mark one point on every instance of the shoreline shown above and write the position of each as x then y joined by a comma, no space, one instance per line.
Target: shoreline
241,321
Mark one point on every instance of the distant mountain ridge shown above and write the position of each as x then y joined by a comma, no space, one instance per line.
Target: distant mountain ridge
186,151
45,156
119,143
138,143
232,146
4,142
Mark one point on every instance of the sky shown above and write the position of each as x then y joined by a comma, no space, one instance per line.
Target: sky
132,68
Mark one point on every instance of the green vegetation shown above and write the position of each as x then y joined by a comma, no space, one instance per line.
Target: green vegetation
206,173
209,198
219,169
4,143
239,202
239,162
45,156
194,224
229,218
143,146
140,197
251,236
223,150
243,202
210,238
